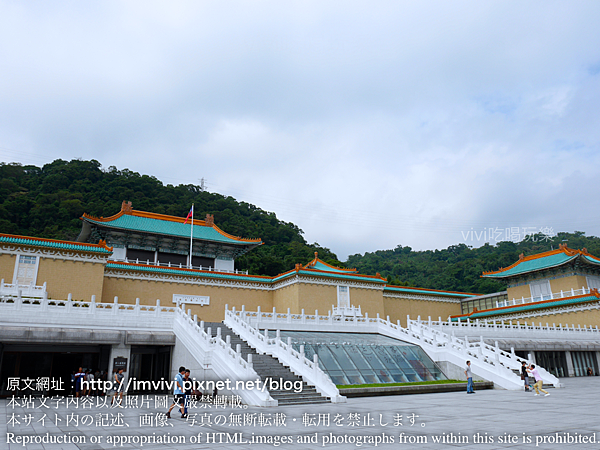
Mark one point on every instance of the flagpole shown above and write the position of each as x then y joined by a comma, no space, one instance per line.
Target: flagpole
191,235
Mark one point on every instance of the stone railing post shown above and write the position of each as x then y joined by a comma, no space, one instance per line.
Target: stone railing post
44,302
19,302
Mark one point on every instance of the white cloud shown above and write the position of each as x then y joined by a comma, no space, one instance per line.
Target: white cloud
368,126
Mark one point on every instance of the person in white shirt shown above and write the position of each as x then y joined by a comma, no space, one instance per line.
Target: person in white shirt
538,381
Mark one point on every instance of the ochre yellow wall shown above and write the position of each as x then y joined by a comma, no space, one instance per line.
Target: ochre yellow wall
284,298
399,308
556,285
591,317
370,301
518,292
568,283
311,297
316,296
149,291
64,277
7,267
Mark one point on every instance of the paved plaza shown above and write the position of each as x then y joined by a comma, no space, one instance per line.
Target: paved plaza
519,419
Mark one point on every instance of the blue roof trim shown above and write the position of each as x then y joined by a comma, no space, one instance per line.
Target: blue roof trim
188,273
530,307
326,274
320,266
426,291
592,260
50,243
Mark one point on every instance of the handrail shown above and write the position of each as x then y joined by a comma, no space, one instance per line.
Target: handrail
211,352
490,362
27,290
286,354
513,326
541,298
177,265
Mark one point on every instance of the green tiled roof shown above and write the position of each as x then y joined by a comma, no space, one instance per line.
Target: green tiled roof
534,264
48,243
151,225
340,275
592,260
425,291
533,306
188,273
320,266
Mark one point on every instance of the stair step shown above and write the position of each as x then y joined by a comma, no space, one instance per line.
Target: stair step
268,367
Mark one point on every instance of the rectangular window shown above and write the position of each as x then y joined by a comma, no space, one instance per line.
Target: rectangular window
343,293
540,290
26,270
593,282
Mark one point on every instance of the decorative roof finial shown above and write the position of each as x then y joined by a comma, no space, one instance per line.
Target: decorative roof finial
521,256
126,206
210,220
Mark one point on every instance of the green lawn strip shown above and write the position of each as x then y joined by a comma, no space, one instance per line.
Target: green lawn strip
415,383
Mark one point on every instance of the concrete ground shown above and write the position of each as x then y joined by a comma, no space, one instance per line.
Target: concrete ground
506,419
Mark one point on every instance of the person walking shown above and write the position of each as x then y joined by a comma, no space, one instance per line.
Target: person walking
187,392
79,377
469,376
525,375
119,388
538,381
178,395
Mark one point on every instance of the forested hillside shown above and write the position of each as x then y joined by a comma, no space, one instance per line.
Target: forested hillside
48,201
458,268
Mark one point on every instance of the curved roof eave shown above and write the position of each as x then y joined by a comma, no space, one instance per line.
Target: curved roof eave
170,226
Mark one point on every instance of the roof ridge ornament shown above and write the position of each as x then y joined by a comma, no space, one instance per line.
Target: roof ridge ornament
209,220
126,206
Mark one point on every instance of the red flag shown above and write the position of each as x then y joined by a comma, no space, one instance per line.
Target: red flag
189,215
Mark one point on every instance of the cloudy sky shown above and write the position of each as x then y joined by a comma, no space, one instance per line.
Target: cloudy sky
368,124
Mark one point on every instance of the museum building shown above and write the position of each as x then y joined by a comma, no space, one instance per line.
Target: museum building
140,263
